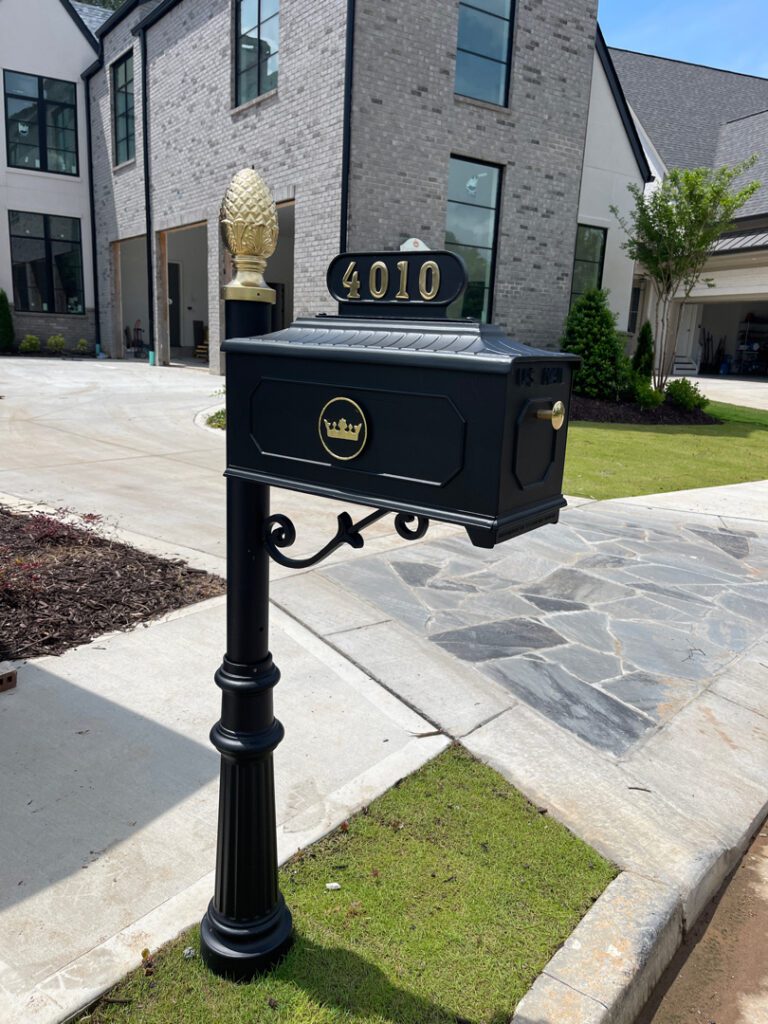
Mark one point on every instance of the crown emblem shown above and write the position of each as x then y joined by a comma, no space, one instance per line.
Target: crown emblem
342,430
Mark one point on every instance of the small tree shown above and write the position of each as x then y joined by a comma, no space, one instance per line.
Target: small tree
7,336
671,231
642,360
590,332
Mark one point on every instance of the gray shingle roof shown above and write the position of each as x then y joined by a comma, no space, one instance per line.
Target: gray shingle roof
682,106
738,141
91,15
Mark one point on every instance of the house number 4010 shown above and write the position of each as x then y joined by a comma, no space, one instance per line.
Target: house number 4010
378,280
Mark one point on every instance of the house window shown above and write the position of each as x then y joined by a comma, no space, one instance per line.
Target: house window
470,231
588,260
256,53
40,123
47,263
483,50
123,128
634,308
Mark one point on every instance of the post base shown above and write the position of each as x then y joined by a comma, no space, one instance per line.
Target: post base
240,950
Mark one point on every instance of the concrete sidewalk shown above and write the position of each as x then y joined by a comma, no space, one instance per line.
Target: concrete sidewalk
613,667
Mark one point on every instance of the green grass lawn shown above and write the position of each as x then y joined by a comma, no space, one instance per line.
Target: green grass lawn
616,460
455,892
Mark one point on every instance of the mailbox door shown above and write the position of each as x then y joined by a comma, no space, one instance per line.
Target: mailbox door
534,458
400,436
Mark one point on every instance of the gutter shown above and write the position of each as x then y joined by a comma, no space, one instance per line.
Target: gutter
147,190
346,144
92,208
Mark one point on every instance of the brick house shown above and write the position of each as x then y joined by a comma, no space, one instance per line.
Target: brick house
491,127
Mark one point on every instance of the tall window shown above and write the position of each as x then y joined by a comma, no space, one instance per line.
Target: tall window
123,129
634,308
256,54
470,231
40,123
588,261
483,50
47,260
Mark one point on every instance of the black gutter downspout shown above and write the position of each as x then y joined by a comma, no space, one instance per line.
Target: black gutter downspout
346,143
92,207
147,191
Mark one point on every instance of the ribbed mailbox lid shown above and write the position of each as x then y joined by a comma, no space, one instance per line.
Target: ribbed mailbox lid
484,347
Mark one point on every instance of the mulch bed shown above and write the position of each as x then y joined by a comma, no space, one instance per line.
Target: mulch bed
597,411
61,585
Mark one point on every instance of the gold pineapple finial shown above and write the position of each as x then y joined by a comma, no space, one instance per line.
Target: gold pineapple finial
248,221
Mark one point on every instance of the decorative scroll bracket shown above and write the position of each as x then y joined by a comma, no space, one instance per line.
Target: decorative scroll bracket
279,532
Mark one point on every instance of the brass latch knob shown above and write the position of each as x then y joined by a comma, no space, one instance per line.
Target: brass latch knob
555,415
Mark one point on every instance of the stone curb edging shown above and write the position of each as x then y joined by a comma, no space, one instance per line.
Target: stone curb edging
201,418
608,968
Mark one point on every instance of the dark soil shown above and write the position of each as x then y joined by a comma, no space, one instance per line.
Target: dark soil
61,585
597,411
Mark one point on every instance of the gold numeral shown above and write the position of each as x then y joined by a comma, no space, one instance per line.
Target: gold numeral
402,266
378,279
351,281
430,292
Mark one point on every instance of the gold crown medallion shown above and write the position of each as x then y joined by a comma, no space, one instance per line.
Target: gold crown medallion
342,428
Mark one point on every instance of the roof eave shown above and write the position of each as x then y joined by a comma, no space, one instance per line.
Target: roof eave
81,25
155,15
623,107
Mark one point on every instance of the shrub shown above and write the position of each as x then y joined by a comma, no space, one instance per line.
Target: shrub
590,332
83,347
55,344
30,343
685,395
642,360
646,395
7,336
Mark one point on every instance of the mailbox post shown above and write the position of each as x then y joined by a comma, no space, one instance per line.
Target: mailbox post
247,927
389,405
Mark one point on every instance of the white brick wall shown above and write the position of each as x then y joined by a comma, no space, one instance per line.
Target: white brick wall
198,142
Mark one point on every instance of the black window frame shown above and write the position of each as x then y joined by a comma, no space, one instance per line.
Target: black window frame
42,142
484,56
48,242
239,32
496,226
120,62
635,302
599,263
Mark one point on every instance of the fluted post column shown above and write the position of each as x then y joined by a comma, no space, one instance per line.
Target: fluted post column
247,927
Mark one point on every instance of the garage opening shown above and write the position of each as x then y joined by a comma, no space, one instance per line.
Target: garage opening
186,307
131,327
734,338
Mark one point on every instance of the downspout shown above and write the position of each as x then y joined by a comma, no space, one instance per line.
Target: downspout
147,190
346,143
92,207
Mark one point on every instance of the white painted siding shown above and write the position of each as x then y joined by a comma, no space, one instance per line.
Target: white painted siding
38,37
609,166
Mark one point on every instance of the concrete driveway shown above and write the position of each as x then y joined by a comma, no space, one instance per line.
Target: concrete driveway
735,391
614,667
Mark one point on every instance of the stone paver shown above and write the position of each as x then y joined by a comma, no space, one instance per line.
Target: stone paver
642,612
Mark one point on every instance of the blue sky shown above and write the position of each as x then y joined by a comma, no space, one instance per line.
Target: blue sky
730,34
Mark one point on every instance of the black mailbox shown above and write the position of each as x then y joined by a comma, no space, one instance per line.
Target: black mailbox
446,419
